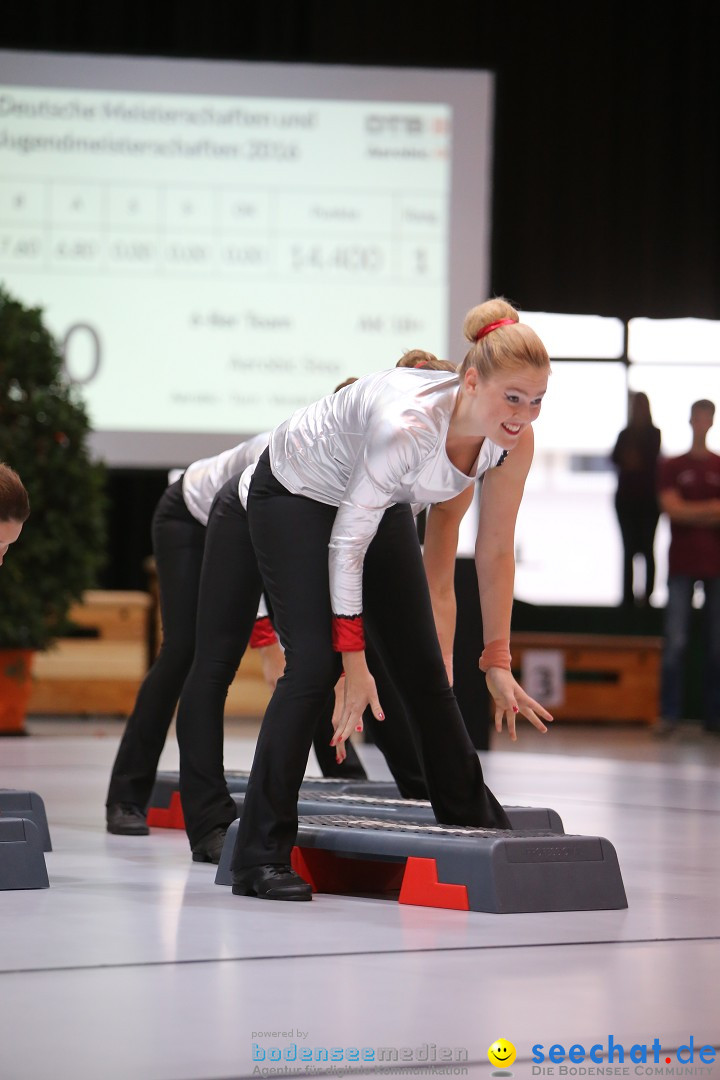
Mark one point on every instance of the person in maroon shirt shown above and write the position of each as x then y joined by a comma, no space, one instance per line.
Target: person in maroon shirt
689,488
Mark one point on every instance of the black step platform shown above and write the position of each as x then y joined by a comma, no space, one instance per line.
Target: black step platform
367,798
26,804
22,863
469,869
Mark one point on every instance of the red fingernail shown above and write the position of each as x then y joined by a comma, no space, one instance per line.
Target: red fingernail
359,727
381,716
515,708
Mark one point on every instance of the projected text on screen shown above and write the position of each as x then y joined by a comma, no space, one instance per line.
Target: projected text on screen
211,263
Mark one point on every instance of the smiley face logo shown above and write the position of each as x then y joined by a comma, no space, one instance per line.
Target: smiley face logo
502,1053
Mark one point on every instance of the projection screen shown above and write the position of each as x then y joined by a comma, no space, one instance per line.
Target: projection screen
215,244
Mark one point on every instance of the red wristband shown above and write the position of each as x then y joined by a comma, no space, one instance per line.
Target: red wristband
348,634
262,633
496,654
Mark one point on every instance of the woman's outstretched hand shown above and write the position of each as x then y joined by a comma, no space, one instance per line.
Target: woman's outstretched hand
510,699
338,708
353,694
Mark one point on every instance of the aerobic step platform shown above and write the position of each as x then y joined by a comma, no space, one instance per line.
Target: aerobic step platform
331,797
165,811
312,803
468,869
22,863
26,804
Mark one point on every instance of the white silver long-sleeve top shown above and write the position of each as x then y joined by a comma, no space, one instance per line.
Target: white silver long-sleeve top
203,479
377,442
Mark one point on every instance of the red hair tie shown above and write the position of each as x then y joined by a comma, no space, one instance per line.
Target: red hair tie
421,363
493,326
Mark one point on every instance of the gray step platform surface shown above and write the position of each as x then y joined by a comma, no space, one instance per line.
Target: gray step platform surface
22,862
504,872
26,804
313,801
168,781
238,781
379,799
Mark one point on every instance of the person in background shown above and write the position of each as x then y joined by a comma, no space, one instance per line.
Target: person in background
635,457
689,489
14,508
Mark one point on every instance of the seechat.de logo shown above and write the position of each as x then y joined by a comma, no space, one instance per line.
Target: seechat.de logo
644,1056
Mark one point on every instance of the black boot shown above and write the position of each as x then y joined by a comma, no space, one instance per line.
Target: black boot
126,819
209,848
275,881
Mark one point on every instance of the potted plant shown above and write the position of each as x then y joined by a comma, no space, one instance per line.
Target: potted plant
43,435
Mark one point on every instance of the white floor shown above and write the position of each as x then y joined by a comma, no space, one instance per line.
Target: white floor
135,966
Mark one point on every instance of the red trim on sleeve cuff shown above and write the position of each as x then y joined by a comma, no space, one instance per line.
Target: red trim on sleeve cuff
348,634
262,633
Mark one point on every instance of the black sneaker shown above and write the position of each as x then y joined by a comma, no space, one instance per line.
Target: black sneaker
209,848
275,881
126,819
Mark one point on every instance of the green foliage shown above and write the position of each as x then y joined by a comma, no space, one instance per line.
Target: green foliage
43,435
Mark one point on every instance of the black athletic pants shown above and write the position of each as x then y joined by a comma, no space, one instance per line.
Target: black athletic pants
290,535
179,543
638,519
230,588
229,594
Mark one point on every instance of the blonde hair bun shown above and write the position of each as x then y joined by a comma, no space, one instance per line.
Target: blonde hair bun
485,314
507,346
